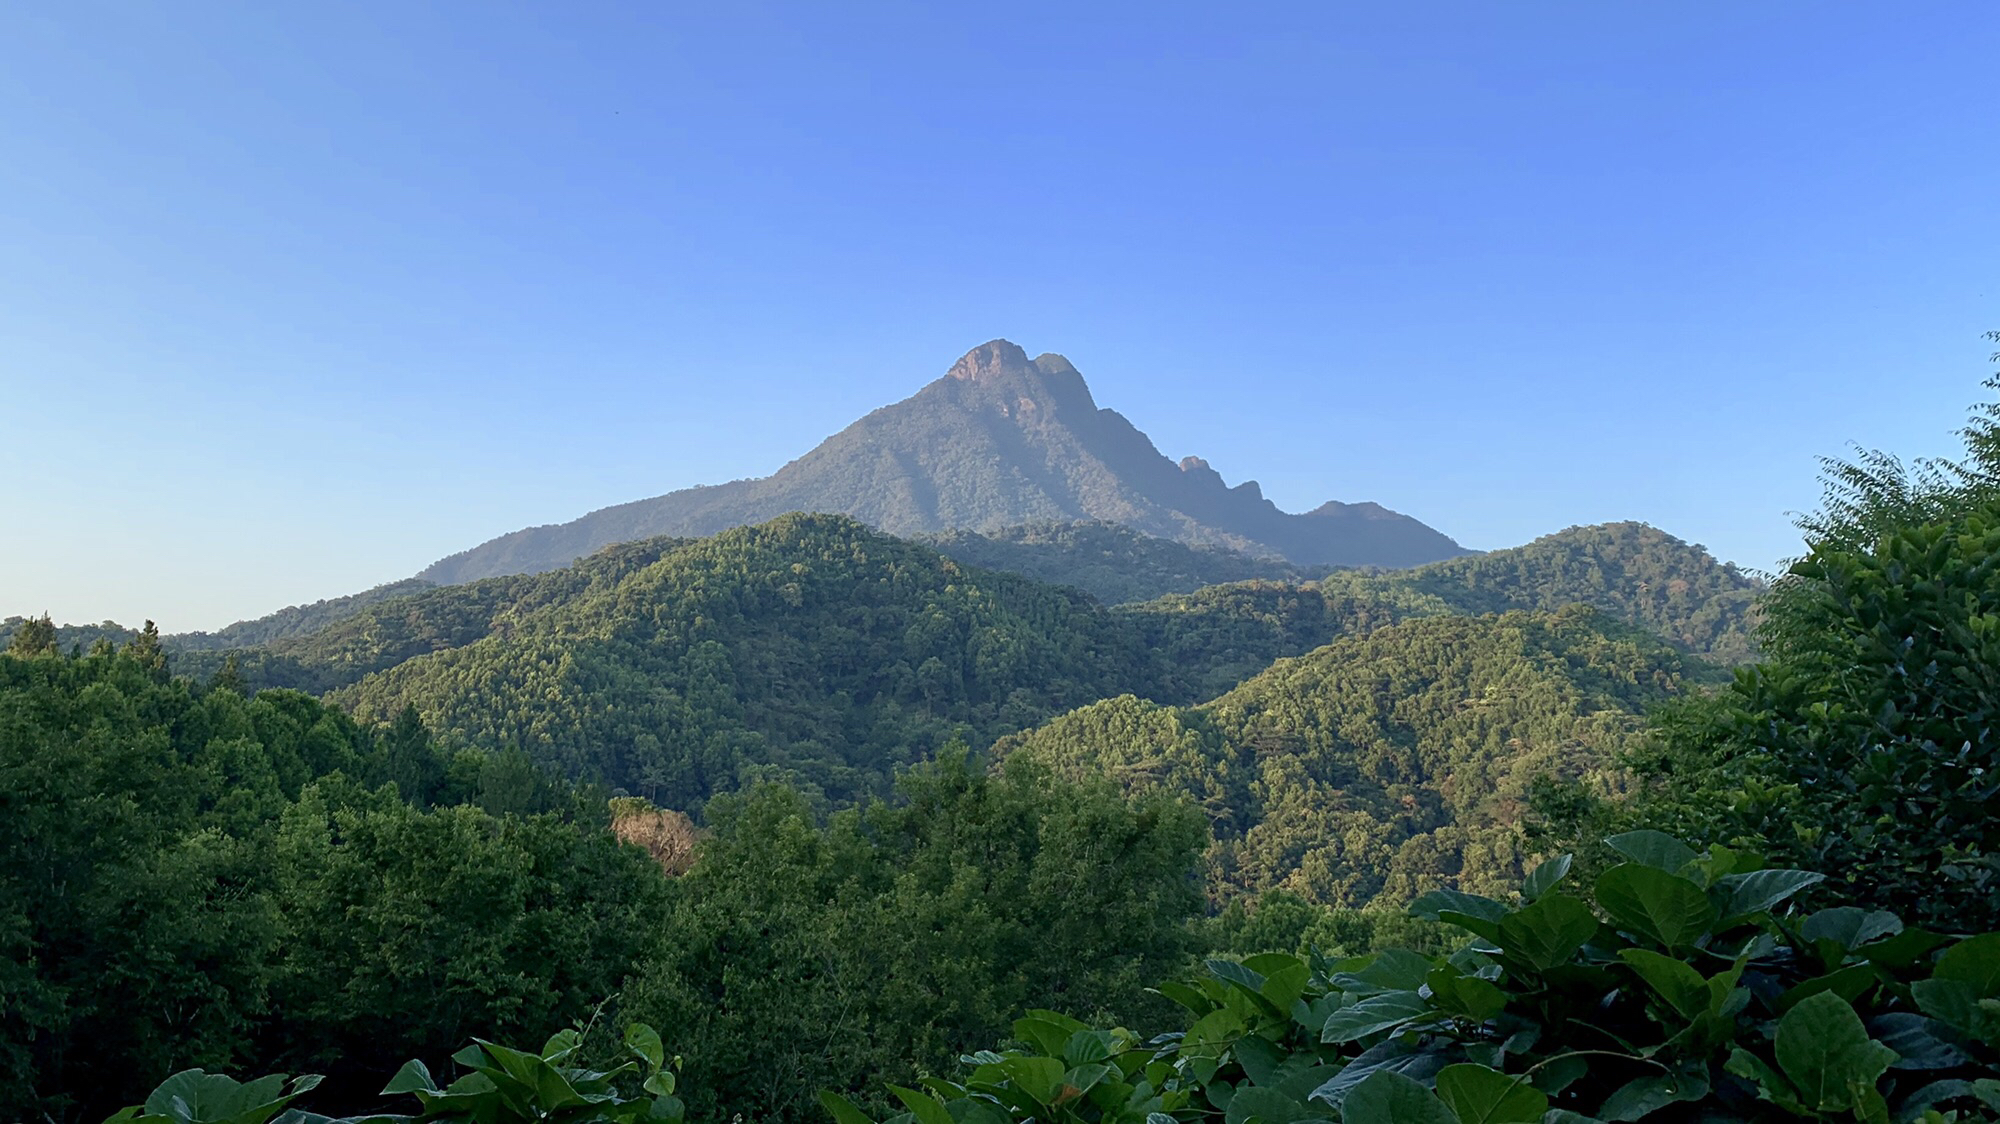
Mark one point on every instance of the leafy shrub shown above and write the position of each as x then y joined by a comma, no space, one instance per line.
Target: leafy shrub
501,1086
1680,987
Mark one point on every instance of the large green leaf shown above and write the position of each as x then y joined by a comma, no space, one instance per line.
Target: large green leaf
1396,969
1756,892
1439,901
645,1043
1379,1013
1825,1050
1975,961
926,1108
1390,1098
1920,1043
1655,849
1039,1078
1676,981
1548,932
843,1110
1481,1095
1475,998
1850,926
195,1097
414,1075
1666,907
1393,1055
1268,1105
1544,877
1643,1096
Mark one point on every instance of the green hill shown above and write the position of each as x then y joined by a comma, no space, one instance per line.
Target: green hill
1388,763
1633,573
809,649
1109,561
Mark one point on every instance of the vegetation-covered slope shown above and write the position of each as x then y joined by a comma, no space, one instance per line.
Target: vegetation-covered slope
191,877
999,441
297,620
810,649
1632,572
1387,763
1109,561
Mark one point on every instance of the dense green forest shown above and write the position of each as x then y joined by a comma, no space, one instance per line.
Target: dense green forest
1385,764
1221,635
193,877
809,650
1110,561
196,878
1639,886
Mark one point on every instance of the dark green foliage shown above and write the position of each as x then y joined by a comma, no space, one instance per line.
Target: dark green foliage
1001,440
1678,987
1384,764
810,650
501,1085
1110,561
1631,572
190,877
77,637
1863,746
901,935
1635,573
408,932
33,637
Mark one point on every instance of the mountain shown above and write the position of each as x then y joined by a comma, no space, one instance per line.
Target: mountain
1000,440
1385,764
1633,573
1110,561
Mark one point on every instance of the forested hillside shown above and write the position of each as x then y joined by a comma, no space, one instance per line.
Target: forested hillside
1109,561
809,649
297,620
193,878
1384,764
1634,573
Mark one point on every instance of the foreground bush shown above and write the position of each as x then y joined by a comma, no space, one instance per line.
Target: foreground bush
500,1086
1677,987
1691,991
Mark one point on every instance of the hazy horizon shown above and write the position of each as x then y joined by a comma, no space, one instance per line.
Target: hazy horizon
300,302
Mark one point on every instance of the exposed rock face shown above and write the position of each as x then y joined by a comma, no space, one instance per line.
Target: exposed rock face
1000,440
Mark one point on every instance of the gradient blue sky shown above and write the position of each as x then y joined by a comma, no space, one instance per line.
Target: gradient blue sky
295,299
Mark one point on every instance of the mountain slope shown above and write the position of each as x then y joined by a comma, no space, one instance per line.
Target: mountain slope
999,441
810,649
1109,561
1632,572
1385,764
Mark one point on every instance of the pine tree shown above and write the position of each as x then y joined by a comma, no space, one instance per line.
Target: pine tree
36,637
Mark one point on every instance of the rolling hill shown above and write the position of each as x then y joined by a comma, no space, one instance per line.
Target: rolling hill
1385,764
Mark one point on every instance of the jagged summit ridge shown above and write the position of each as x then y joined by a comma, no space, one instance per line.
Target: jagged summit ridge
999,440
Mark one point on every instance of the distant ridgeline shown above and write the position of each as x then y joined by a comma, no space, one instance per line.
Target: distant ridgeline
815,651
1000,441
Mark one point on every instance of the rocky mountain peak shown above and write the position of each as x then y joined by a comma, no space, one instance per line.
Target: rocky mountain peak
991,360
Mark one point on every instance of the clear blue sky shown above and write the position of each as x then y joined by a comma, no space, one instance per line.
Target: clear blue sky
296,298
